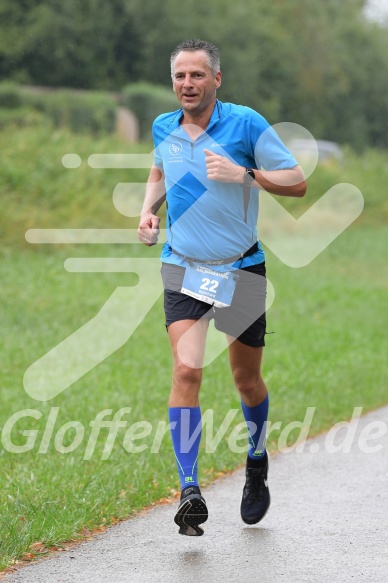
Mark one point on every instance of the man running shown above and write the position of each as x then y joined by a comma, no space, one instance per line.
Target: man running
211,158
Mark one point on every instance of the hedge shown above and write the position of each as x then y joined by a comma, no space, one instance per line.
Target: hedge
147,101
90,112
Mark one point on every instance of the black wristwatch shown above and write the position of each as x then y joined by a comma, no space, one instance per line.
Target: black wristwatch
249,176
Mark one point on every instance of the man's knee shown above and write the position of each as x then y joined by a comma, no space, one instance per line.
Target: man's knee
247,390
187,375
246,382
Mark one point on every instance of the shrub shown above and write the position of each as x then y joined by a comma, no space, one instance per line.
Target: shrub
147,101
91,112
11,96
94,113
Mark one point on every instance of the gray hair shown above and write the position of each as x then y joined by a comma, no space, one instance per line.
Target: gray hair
197,44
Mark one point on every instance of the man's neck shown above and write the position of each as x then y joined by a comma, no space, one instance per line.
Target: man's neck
197,124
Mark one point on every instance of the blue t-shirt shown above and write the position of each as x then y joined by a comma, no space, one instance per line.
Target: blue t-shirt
205,218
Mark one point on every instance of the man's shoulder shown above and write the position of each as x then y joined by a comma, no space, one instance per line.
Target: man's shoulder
233,107
164,120
229,108
242,113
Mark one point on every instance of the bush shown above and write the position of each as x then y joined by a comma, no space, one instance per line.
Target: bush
147,101
93,113
81,112
10,95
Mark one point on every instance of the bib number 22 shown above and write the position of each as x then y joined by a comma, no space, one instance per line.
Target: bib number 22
209,285
216,288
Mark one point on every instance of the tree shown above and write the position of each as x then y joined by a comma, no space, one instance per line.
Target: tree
89,44
320,64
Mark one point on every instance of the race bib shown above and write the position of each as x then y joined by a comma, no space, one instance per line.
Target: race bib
205,284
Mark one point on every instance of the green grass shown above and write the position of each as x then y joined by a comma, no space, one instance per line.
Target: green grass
327,350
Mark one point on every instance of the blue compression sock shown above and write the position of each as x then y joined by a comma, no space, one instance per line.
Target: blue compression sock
186,432
258,415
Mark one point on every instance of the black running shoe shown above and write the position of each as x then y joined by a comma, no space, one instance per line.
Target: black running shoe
192,511
255,499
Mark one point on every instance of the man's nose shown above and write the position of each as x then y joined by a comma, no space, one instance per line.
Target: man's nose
187,81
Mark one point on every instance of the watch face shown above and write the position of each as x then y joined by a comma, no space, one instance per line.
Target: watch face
249,176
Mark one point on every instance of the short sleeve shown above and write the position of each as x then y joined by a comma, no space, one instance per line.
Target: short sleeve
158,162
269,151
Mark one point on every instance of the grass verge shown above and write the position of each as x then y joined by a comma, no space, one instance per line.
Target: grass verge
328,319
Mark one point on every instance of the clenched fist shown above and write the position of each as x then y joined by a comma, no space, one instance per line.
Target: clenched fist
223,170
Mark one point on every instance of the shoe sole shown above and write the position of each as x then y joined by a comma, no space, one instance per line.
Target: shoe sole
192,512
260,519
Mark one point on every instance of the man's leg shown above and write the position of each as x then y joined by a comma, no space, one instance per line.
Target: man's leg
245,363
188,348
188,345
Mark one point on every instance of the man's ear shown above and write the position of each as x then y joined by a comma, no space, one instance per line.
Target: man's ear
218,79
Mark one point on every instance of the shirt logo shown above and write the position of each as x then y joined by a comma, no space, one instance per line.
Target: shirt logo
175,148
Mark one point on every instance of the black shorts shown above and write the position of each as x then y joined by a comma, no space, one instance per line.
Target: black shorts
243,319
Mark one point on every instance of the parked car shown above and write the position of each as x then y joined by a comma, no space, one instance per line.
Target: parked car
326,150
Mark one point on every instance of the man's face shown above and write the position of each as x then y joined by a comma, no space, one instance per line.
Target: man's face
194,83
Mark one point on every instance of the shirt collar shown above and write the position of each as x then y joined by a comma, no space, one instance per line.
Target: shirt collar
175,125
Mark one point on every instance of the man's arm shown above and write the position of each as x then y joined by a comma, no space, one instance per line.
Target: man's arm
288,182
148,230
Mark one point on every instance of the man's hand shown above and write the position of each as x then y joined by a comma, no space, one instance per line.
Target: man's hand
223,170
287,182
148,230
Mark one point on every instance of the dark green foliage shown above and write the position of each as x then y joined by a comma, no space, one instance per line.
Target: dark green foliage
319,64
88,44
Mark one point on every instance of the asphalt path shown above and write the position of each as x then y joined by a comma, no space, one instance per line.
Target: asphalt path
328,522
